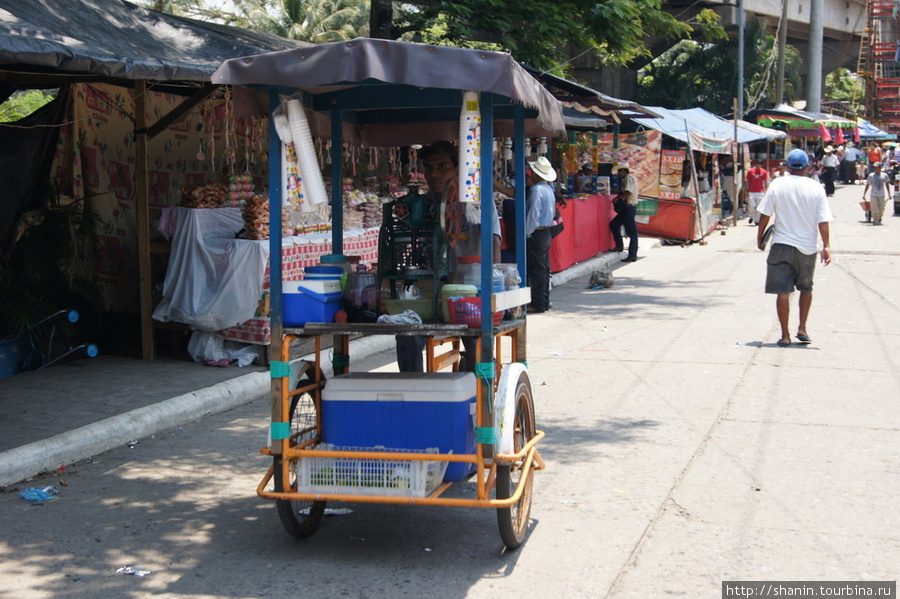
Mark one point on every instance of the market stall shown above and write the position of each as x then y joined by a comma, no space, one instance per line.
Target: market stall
807,128
592,122
687,204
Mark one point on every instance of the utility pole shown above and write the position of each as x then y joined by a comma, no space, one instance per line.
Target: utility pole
814,60
736,156
740,74
782,44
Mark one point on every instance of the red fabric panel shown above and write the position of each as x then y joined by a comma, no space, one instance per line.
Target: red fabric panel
674,219
586,231
562,248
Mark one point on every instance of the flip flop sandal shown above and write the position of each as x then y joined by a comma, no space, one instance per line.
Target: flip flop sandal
804,339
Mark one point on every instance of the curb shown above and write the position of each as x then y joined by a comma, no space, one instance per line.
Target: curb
83,442
92,439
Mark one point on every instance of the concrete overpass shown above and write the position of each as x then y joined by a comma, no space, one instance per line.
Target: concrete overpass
844,22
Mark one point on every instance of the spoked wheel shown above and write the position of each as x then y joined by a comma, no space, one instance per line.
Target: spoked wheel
513,520
299,518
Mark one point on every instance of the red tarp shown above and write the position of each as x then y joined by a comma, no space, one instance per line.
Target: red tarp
674,219
586,231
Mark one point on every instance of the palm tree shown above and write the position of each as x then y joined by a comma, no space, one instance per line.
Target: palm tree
314,21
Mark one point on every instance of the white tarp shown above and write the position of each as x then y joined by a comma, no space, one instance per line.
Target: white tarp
213,281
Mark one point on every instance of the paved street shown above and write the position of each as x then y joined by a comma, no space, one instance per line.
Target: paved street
683,448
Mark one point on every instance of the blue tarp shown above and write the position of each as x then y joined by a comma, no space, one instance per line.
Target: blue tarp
708,132
869,131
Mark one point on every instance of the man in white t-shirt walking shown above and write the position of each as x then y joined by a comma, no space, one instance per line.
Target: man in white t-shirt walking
801,213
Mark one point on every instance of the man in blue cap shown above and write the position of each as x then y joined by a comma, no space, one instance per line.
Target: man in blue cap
801,213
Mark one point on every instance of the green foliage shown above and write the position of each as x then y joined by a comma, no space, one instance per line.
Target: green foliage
844,85
52,261
544,32
307,20
314,21
22,103
705,74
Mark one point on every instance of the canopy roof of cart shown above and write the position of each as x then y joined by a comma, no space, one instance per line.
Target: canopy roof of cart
398,93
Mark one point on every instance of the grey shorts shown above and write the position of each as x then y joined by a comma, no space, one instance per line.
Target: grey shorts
788,267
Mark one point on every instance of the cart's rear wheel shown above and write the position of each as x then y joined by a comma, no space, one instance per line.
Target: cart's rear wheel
513,520
299,518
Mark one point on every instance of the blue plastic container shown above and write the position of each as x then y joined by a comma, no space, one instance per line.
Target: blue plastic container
302,306
410,410
324,271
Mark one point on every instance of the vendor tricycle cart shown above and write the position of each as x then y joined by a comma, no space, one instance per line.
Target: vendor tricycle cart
386,93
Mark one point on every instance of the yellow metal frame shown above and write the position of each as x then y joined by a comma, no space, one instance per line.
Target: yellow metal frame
486,467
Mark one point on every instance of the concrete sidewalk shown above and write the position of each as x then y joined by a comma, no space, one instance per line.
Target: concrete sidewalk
75,410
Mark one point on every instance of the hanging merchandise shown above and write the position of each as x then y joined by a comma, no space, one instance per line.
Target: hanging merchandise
240,189
470,149
309,166
229,151
211,127
260,141
294,190
508,149
416,177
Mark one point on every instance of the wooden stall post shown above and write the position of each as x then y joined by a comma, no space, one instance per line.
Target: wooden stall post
142,209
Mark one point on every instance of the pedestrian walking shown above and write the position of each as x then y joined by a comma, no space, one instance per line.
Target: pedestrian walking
848,163
880,183
801,213
830,164
757,182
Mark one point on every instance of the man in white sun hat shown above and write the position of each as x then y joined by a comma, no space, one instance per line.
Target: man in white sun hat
626,211
539,209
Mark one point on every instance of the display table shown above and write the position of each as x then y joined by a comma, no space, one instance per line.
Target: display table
214,282
586,231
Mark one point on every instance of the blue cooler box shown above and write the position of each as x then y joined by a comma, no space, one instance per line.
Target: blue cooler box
303,305
411,410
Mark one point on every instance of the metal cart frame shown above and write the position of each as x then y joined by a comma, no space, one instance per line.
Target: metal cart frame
372,83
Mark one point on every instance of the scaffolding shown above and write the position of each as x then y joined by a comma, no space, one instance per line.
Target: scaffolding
879,63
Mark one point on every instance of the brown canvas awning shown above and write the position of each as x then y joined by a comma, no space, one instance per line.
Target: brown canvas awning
412,92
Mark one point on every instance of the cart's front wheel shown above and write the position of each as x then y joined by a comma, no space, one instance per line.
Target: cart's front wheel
513,520
299,518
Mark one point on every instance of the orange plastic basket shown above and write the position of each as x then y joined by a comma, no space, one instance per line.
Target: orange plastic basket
467,310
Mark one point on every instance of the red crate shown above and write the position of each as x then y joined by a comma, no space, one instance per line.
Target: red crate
467,310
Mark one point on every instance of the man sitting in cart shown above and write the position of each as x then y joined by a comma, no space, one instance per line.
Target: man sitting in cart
440,165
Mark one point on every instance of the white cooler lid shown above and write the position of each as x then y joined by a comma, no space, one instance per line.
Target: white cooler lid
400,386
